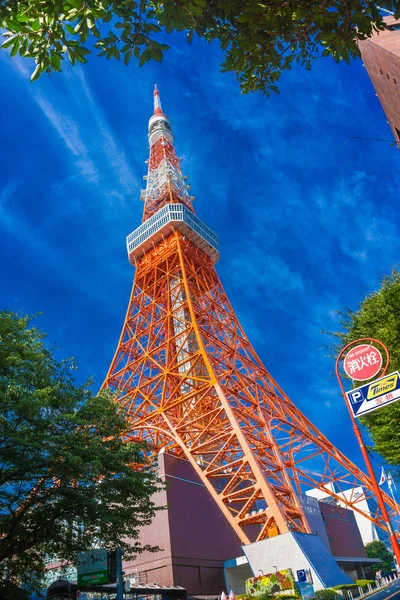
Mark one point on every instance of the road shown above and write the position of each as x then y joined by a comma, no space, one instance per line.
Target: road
392,591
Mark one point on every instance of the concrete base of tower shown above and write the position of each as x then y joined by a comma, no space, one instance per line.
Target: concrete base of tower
296,551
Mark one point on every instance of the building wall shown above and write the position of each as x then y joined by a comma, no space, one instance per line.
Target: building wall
296,551
194,535
342,531
312,510
368,530
381,57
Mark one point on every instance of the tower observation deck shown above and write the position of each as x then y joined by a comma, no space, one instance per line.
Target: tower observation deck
191,383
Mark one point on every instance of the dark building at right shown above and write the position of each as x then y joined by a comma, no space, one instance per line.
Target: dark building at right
381,57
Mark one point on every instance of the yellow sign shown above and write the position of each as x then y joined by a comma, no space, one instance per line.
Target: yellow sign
382,387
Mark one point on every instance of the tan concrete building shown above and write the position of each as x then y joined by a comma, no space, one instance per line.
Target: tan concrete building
381,57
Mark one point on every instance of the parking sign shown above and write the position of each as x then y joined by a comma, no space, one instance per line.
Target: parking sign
377,394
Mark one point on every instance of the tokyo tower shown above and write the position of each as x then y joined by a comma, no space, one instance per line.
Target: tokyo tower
190,381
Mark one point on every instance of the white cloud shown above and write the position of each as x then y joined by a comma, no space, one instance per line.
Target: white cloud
69,132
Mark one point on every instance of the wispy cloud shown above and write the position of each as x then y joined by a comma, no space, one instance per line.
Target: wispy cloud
115,156
68,130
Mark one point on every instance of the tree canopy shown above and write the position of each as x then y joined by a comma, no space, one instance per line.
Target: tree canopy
259,39
377,549
67,481
378,316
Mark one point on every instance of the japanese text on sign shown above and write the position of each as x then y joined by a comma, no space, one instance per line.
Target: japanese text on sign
362,362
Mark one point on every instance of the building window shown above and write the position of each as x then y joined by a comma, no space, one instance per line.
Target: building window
395,81
381,71
398,132
387,76
394,27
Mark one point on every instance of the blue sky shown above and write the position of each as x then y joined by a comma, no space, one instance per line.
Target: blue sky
306,214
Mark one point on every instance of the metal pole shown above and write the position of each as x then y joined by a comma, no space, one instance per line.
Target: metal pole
120,582
357,431
392,493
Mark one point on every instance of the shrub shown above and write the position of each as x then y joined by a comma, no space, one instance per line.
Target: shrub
345,586
352,586
327,594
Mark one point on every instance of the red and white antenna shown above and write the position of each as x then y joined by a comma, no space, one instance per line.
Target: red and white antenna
157,102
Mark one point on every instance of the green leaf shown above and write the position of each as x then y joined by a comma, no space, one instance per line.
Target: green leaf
144,57
70,29
75,3
81,50
8,42
13,25
156,54
36,25
56,61
127,57
71,56
189,36
15,48
36,73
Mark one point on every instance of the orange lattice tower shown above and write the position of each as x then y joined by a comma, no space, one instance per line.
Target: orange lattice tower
190,381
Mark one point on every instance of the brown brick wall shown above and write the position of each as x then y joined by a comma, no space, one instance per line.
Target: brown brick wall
343,534
194,535
381,57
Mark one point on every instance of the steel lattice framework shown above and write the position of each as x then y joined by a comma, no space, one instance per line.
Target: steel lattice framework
190,381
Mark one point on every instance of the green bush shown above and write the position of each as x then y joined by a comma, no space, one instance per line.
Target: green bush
327,594
351,586
364,582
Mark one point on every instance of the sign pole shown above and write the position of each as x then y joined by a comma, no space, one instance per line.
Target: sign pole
378,492
120,580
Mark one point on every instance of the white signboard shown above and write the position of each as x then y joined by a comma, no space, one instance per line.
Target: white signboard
92,567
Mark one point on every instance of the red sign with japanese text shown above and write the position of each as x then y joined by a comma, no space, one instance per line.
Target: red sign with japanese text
362,362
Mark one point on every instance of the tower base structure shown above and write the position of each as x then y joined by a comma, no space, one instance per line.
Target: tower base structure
197,544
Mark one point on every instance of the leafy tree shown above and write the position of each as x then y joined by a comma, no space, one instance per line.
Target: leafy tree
379,317
260,38
377,549
10,591
67,481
